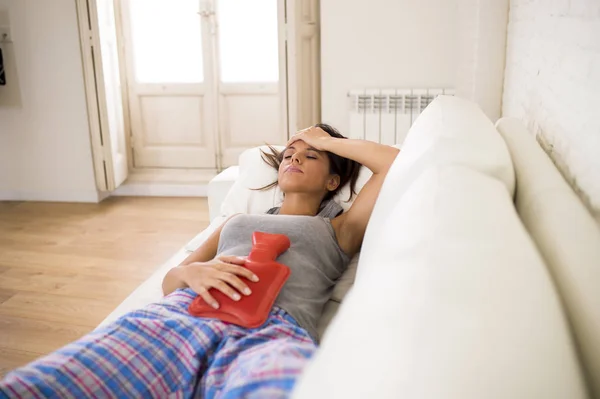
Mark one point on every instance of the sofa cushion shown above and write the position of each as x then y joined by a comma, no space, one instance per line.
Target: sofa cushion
457,304
253,173
450,131
329,311
566,235
218,188
346,281
341,289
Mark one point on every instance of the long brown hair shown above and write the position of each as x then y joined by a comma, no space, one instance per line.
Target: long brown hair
346,168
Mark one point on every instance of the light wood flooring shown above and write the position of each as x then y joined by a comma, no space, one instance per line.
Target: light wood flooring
64,267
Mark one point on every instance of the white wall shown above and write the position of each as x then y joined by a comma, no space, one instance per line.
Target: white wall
384,43
481,47
45,151
552,82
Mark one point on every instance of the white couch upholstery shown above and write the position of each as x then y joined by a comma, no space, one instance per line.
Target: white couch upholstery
457,304
452,298
218,188
450,131
567,236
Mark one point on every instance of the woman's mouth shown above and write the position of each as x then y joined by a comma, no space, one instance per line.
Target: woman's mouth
293,169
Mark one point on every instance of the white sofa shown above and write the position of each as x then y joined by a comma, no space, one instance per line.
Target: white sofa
457,294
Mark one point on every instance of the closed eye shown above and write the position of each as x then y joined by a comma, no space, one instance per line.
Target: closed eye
311,157
287,157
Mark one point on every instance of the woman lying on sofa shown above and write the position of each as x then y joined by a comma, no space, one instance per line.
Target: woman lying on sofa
162,350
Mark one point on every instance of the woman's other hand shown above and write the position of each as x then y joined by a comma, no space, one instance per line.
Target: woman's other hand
313,136
222,273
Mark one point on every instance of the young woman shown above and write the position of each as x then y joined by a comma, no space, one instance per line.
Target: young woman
162,351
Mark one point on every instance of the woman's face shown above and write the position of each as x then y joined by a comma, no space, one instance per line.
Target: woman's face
304,169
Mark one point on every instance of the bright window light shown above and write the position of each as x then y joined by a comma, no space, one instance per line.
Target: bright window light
167,41
248,40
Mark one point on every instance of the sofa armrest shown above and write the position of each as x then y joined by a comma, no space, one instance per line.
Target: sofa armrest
218,188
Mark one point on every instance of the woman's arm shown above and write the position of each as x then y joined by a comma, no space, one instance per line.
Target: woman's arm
350,226
206,252
377,157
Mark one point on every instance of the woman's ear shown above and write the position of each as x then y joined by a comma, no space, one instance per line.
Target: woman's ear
333,182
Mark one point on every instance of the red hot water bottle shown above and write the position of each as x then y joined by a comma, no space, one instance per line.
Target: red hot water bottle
253,310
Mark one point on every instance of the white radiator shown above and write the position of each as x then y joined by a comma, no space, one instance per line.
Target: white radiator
385,115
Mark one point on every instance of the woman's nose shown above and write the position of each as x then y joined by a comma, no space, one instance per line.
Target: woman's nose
296,157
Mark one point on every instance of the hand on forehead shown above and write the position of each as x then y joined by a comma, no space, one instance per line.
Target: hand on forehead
313,137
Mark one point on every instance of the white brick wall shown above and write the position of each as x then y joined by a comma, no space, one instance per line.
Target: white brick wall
552,82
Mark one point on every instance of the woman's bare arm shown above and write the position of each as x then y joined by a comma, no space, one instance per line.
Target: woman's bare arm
205,252
350,226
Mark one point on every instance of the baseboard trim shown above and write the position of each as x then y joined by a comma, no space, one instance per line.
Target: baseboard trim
6,195
161,190
126,190
92,196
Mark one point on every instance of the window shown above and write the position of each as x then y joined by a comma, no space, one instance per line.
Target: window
167,41
248,45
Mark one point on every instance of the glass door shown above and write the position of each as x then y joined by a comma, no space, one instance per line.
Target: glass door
168,52
249,61
204,78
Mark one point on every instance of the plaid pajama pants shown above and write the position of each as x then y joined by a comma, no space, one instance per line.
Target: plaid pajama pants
161,351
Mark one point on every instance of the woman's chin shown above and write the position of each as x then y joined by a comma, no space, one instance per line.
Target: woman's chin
291,186
292,178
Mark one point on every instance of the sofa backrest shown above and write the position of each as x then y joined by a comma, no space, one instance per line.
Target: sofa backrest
457,304
566,235
450,131
452,298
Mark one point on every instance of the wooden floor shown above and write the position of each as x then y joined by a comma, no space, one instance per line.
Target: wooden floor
64,267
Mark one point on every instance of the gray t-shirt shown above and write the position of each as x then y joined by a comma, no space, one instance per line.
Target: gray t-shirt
315,258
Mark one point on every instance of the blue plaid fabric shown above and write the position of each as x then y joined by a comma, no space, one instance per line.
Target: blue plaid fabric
161,351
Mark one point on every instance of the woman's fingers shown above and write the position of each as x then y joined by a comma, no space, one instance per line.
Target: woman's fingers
223,276
312,136
294,138
297,136
226,289
238,270
235,282
230,265
208,298
236,260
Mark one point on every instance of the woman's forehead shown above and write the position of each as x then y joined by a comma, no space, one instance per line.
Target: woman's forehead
300,145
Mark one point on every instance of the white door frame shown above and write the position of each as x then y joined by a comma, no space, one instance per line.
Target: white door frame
124,81
110,167
303,64
284,105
